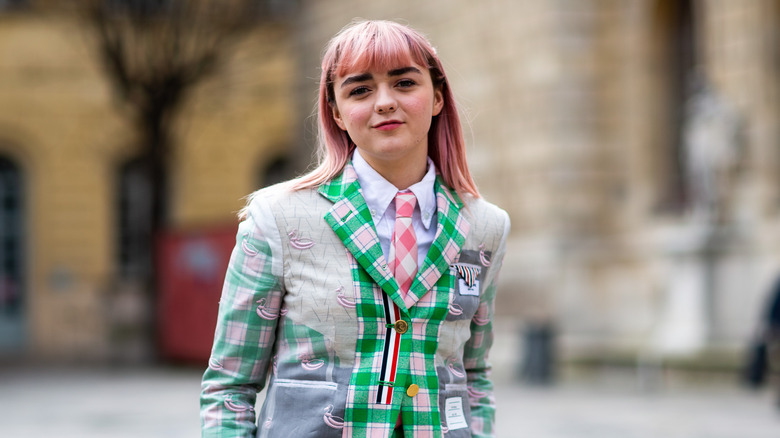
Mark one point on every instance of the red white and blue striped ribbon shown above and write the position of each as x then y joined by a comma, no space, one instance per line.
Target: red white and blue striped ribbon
469,274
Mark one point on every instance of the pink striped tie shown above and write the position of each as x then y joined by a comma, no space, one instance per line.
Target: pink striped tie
403,250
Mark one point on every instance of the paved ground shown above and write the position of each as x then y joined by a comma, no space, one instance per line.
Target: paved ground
163,403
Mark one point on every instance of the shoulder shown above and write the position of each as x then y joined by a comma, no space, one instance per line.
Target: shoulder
277,199
486,217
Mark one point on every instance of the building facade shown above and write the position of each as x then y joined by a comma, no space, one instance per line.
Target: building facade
66,142
634,144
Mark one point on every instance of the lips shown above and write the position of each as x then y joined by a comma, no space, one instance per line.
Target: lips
388,125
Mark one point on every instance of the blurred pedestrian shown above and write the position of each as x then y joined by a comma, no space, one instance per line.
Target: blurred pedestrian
766,343
364,290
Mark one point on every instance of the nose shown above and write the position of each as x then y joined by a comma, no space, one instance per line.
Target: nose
385,101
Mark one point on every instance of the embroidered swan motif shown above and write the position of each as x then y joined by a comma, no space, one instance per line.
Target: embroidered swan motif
236,406
332,420
299,243
263,312
215,364
247,247
484,259
478,320
343,300
475,394
312,364
455,372
456,310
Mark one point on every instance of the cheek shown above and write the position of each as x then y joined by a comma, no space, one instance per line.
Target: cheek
356,116
421,108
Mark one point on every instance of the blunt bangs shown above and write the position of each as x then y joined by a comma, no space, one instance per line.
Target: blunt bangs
373,45
382,48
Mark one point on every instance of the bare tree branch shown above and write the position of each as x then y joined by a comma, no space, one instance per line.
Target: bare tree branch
154,53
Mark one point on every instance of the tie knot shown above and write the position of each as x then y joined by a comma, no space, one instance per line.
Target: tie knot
404,204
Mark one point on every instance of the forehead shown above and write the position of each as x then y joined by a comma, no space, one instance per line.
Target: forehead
400,70
376,59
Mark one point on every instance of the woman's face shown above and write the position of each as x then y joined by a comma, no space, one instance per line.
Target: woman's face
388,113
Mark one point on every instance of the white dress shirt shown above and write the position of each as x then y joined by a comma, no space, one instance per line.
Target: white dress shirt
379,195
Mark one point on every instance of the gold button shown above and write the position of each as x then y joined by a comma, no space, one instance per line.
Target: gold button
401,326
412,390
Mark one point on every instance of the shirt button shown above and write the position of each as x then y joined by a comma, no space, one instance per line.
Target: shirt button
426,215
401,326
412,390
373,212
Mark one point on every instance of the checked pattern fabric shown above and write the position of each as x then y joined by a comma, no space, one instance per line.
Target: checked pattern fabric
403,250
308,309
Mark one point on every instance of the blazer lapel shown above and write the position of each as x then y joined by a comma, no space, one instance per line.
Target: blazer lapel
350,219
451,232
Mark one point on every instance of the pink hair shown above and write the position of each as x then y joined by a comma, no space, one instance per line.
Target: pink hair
364,45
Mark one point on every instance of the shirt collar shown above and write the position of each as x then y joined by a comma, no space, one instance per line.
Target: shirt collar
379,192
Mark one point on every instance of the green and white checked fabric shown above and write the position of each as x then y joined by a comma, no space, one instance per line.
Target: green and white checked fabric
244,337
309,296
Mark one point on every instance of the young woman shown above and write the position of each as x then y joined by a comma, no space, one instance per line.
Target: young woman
365,288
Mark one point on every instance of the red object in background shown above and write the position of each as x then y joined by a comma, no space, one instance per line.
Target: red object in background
190,270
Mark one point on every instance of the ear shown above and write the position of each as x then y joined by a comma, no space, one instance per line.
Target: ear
337,118
438,100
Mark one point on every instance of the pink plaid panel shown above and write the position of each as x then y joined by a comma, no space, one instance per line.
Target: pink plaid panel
235,332
403,250
244,299
417,364
231,366
451,250
341,210
422,402
364,237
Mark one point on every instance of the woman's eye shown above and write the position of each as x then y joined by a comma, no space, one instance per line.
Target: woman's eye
405,83
358,91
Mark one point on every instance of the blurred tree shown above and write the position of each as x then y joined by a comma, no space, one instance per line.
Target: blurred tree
12,4
154,53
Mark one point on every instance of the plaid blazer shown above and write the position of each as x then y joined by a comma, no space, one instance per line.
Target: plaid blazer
310,307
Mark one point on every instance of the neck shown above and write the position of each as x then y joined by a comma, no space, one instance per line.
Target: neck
400,173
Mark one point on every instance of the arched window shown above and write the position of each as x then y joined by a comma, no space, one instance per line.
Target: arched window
12,281
279,169
677,62
135,221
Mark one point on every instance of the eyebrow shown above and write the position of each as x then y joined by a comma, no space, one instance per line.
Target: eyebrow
357,78
404,70
367,76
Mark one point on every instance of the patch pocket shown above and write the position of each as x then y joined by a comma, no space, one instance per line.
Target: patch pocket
455,411
465,293
303,407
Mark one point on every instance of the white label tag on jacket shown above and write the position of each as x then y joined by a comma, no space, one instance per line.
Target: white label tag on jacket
453,410
465,289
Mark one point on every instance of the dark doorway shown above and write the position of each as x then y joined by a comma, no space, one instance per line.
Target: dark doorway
12,268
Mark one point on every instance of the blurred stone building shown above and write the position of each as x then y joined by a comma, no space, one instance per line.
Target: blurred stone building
633,142
68,194
635,145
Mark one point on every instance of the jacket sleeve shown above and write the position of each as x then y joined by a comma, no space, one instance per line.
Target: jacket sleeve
246,329
475,352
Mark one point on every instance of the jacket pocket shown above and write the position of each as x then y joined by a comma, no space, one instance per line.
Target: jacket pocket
303,408
455,411
465,293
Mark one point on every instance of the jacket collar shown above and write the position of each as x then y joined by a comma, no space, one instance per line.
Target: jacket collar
350,219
